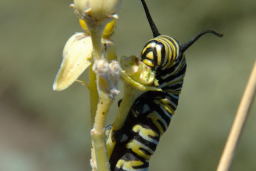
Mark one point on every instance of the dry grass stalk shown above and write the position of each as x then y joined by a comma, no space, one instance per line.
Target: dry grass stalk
239,123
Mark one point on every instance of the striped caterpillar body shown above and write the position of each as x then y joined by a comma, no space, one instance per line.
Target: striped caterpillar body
151,113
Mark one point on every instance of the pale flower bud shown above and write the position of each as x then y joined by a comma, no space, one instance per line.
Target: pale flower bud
97,10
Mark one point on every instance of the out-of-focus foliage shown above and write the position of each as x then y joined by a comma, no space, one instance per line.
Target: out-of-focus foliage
45,130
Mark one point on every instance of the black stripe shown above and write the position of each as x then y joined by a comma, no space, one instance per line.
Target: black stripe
162,125
171,69
174,42
171,49
172,99
148,122
145,151
155,57
175,86
173,76
161,113
144,55
163,55
155,107
147,143
133,156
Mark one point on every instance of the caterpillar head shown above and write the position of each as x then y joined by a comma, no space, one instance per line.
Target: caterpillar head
162,51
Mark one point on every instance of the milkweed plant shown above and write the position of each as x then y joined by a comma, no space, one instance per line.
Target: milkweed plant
94,50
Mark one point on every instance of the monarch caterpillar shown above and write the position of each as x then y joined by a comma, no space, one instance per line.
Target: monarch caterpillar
151,112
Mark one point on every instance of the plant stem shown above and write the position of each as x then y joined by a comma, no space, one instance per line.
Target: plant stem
99,153
96,33
127,101
93,94
98,133
239,123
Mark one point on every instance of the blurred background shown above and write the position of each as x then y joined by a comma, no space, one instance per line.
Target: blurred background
44,130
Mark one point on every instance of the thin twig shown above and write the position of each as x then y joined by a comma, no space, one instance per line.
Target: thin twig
239,123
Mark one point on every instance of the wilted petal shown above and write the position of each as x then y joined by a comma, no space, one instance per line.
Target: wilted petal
77,56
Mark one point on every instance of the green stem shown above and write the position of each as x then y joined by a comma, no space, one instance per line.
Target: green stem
129,96
96,34
99,152
98,133
93,94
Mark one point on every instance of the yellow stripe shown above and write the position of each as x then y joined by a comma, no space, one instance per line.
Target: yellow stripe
173,49
175,43
150,55
165,104
181,64
136,147
146,131
155,119
170,53
148,62
159,55
128,165
168,45
150,45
